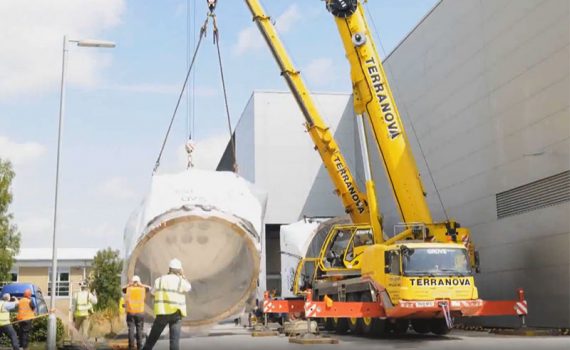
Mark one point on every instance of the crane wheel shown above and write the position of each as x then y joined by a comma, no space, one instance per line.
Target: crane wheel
421,326
340,325
438,326
329,324
367,322
354,324
380,328
400,326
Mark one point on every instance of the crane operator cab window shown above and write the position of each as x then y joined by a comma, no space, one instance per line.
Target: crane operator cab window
337,248
362,238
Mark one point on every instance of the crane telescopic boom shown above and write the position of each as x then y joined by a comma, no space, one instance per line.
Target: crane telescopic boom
360,206
373,97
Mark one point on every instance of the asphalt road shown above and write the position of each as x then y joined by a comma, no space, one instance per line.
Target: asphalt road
236,338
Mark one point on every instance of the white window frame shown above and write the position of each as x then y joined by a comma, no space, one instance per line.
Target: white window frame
59,282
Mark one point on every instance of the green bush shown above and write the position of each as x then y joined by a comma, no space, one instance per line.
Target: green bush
39,330
106,280
38,333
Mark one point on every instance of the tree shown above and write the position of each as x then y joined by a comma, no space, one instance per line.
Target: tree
9,235
106,280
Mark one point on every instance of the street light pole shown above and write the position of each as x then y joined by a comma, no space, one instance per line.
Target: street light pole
52,319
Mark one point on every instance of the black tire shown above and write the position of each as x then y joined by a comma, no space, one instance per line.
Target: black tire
421,326
439,326
329,324
367,323
354,324
380,328
340,325
400,327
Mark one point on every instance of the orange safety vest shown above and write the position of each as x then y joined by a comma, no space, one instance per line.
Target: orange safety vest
134,300
25,311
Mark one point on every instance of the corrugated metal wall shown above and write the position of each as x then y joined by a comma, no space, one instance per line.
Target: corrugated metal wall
486,85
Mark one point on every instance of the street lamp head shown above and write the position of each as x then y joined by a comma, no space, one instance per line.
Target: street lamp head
95,43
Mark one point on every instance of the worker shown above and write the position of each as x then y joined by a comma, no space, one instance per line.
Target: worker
8,304
25,315
169,293
135,293
83,302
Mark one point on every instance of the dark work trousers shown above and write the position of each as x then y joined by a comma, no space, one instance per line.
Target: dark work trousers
24,329
174,321
11,333
135,322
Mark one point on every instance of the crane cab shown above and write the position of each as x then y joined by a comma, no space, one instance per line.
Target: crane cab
421,271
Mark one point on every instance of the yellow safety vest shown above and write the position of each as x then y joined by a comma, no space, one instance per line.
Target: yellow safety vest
4,315
169,299
82,304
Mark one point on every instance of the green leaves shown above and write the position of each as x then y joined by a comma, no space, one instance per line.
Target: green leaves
9,235
106,280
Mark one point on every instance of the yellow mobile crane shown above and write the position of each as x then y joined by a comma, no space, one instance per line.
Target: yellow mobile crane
361,281
361,207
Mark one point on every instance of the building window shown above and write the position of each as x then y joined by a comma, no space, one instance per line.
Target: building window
62,283
14,274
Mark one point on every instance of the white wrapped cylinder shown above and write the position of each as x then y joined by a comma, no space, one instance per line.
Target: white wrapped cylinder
211,222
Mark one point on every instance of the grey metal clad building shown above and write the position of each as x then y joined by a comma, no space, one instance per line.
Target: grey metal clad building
484,86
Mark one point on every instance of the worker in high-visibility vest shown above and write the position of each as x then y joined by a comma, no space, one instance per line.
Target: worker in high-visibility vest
169,293
25,315
83,302
135,293
8,304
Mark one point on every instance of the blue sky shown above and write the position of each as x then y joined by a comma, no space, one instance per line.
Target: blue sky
119,101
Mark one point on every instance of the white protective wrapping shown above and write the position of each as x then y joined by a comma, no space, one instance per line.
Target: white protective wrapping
294,241
302,239
212,222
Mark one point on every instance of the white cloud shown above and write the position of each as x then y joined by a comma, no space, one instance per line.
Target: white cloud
287,19
320,71
117,188
32,37
250,39
208,152
20,153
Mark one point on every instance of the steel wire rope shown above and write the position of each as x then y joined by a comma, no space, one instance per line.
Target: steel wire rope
216,37
202,35
388,66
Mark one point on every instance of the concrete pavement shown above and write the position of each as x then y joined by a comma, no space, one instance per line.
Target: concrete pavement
237,338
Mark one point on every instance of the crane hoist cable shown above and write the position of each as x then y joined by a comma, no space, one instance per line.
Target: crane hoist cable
202,35
203,29
216,35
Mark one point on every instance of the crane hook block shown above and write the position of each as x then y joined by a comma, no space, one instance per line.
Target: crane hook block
212,5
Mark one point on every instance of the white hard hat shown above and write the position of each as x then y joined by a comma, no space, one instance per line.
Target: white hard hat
136,279
175,264
6,296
